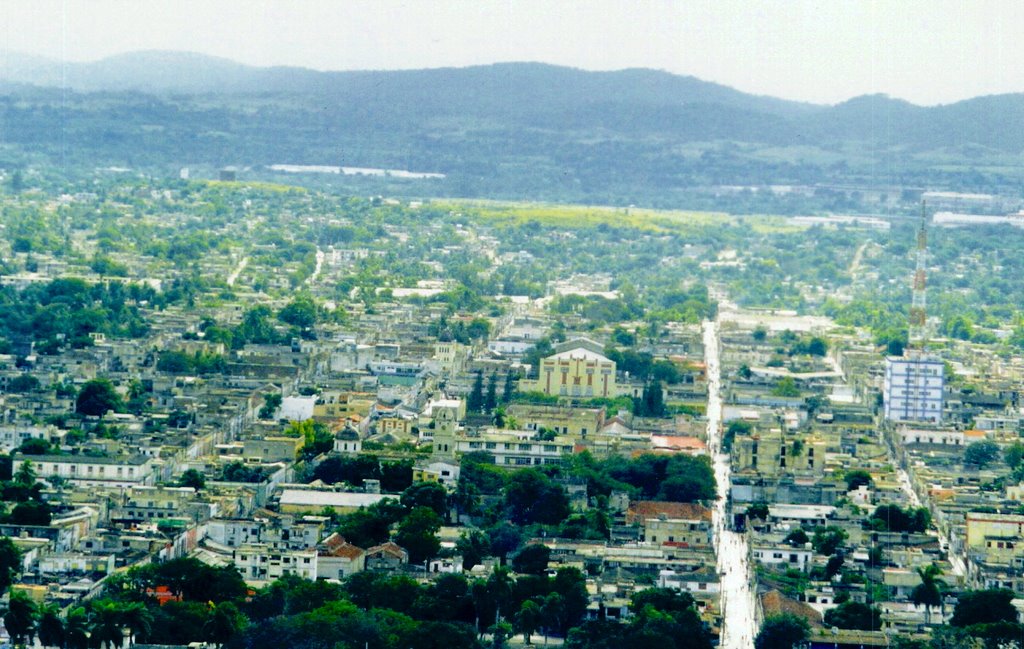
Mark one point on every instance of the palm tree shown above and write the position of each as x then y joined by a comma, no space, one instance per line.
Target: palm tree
137,618
51,626
107,625
76,629
928,592
20,619
528,619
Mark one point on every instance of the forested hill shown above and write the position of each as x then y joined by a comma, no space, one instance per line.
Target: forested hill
505,130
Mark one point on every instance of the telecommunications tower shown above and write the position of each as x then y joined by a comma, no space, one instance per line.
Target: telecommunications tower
915,381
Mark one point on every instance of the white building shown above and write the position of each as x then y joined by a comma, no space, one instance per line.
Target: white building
85,471
783,556
262,563
297,408
913,389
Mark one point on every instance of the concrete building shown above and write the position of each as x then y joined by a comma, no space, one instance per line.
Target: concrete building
913,389
272,449
776,453
83,470
262,563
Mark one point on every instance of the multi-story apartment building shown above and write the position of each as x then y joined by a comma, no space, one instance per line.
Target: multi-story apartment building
913,389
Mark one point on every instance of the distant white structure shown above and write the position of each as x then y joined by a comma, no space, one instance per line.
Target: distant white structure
913,389
956,220
297,408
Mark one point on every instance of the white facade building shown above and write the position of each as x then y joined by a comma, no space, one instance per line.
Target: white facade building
263,563
913,389
88,471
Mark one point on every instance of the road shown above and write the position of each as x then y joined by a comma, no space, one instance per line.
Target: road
738,625
955,560
319,266
233,277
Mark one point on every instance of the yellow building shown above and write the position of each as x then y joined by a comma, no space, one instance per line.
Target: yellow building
995,538
578,372
335,404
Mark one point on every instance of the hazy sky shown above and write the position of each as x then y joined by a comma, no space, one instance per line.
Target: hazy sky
926,51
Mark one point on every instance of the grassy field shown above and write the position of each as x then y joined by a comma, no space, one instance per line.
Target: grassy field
584,216
589,216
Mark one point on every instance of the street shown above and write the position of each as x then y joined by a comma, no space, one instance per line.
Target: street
738,625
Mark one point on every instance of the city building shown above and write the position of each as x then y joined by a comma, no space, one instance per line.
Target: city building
913,389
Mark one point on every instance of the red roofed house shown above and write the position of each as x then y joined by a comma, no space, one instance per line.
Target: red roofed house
386,556
337,558
686,525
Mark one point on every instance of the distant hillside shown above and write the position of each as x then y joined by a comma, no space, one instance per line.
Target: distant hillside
509,130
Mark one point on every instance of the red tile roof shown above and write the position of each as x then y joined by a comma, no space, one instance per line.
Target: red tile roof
641,510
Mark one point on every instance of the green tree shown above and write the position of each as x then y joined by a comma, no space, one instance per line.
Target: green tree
106,624
475,400
981,453
1014,455
23,383
491,398
10,563
34,446
827,540
509,389
783,631
192,478
97,397
76,628
532,559
21,618
786,387
531,497
817,346
735,427
857,478
417,533
426,494
796,538
928,593
528,619
473,545
271,403
31,513
300,312
984,607
51,626
571,585
225,623
854,615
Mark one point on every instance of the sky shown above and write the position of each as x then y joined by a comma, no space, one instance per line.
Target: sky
925,51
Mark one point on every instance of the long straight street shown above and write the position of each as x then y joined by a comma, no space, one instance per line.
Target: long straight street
738,625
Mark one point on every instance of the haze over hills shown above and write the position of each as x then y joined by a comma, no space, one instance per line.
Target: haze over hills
511,130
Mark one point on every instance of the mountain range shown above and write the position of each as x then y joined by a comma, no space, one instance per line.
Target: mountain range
513,129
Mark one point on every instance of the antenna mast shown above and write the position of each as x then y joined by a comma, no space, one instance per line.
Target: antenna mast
918,318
